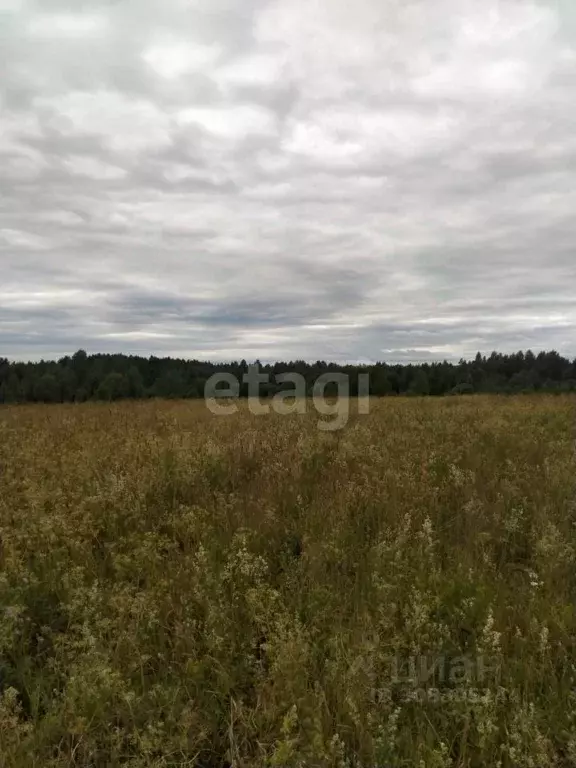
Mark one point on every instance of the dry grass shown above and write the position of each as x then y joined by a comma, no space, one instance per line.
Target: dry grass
183,590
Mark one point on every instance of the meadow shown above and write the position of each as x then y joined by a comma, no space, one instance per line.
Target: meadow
182,589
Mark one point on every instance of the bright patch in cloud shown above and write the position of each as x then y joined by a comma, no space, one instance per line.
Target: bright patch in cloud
71,26
230,123
171,60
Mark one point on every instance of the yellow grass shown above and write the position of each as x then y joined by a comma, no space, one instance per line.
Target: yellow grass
180,589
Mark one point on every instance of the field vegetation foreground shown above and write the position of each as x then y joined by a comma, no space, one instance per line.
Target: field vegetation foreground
180,589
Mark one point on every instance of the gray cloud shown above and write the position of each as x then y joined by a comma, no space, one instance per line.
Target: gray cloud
275,179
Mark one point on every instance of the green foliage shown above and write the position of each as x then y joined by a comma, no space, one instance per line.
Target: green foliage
420,384
135,383
170,384
462,389
86,377
114,387
47,389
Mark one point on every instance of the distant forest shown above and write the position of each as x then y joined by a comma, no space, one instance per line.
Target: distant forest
83,377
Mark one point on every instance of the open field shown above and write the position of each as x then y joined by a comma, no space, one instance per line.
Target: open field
178,589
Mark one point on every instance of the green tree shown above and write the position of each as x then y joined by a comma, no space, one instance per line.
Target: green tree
114,387
68,382
420,384
379,381
135,382
47,389
11,389
170,384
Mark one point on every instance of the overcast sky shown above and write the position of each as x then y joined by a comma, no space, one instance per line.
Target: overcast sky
318,179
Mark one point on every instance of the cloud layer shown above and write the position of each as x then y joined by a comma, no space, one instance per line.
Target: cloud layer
287,179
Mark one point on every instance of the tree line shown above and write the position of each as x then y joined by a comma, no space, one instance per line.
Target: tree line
82,377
